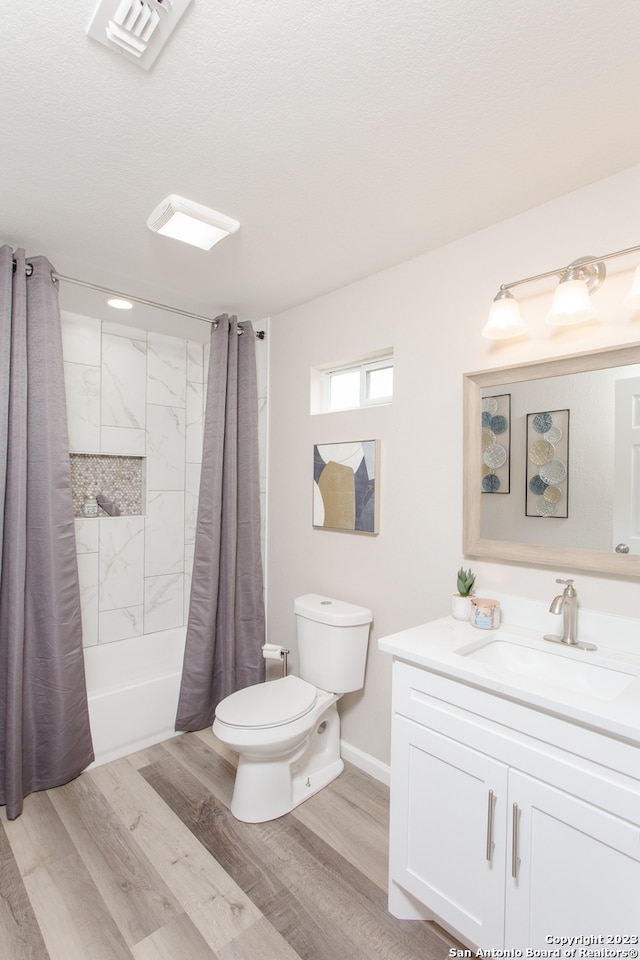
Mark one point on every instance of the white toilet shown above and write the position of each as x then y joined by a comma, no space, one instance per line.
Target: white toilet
287,731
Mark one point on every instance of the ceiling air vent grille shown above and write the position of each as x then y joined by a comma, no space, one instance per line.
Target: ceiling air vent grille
137,29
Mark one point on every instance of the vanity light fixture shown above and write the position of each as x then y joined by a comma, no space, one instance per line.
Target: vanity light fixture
571,301
190,222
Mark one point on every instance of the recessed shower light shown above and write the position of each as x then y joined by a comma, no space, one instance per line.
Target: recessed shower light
190,222
119,304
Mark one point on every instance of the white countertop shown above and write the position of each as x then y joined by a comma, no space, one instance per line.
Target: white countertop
436,645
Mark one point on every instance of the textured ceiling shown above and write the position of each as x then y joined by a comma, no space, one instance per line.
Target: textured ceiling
345,137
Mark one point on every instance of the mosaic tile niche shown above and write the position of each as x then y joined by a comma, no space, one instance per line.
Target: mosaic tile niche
118,478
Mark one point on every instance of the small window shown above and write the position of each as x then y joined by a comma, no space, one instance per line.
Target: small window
344,389
379,382
359,385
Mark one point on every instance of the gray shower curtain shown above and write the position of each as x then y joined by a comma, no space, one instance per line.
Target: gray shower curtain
45,739
225,629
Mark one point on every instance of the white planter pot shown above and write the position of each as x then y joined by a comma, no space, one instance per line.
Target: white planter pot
460,607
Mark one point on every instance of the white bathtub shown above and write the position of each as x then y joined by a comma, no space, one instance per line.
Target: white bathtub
133,688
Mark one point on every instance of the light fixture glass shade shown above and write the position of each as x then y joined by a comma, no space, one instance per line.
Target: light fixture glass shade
504,318
632,299
190,222
571,304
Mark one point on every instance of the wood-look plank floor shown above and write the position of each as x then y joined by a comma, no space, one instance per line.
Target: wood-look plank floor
141,858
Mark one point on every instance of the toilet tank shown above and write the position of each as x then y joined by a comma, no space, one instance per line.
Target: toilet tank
332,642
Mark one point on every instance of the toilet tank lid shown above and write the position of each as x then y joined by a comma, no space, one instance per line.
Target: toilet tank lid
314,606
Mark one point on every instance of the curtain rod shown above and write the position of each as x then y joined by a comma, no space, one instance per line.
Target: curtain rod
260,334
115,293
148,303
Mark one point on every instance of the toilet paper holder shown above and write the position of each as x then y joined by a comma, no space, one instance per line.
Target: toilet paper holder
271,651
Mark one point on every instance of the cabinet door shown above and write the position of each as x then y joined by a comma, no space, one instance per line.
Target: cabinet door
448,830
577,868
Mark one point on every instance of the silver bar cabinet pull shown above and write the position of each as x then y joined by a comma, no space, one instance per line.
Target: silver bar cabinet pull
514,842
490,826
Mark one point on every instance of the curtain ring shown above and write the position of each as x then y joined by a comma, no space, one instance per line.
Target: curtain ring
54,278
28,268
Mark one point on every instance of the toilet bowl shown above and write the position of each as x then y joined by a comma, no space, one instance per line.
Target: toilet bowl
287,731
286,760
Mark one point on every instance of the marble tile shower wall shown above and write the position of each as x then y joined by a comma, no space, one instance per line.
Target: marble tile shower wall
138,393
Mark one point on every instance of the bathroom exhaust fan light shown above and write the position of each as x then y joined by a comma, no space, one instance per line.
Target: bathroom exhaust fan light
190,222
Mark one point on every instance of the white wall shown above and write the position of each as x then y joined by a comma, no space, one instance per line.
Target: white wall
432,310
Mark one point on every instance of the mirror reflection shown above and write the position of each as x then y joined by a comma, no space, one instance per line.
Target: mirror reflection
552,461
570,444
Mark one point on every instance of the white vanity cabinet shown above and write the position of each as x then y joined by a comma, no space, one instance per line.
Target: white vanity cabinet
447,842
577,867
509,826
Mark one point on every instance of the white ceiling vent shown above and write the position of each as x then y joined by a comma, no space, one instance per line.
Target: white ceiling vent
137,29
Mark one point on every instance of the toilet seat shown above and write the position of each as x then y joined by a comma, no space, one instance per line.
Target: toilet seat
269,704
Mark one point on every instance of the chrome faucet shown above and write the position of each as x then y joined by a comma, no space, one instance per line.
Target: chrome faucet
566,603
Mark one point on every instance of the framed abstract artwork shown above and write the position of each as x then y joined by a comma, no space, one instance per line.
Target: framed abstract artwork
345,486
547,493
496,444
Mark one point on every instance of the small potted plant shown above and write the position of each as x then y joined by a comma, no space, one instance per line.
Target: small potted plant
460,604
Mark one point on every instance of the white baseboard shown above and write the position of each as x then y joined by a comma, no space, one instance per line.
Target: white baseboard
364,761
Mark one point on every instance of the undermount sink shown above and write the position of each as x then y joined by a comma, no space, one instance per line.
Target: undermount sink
560,667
